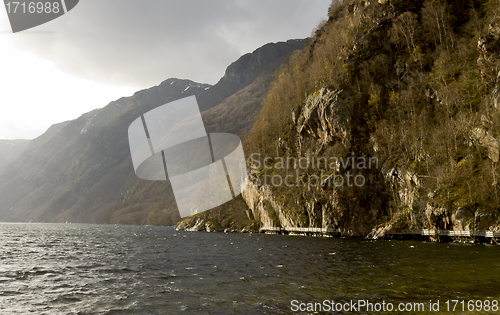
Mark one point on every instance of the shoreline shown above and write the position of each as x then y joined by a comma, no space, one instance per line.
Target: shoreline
437,236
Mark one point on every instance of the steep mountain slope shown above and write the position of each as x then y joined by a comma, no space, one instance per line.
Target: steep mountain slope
10,150
388,120
81,170
247,68
52,171
237,112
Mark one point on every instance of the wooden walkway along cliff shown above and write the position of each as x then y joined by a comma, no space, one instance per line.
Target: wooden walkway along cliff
299,231
445,235
432,235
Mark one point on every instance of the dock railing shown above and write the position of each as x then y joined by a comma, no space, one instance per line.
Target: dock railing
427,232
295,229
424,232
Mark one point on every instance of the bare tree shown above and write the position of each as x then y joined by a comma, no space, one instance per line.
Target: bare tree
405,25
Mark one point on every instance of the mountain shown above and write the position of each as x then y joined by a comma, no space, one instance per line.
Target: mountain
243,72
10,150
388,120
81,170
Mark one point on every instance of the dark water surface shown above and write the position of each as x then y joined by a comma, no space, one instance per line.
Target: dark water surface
106,269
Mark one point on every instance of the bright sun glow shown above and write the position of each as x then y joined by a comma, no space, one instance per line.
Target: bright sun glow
35,93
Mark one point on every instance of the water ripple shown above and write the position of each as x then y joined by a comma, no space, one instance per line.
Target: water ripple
98,269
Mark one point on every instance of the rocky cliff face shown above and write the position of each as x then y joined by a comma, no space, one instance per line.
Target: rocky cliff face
380,83
325,118
402,187
321,195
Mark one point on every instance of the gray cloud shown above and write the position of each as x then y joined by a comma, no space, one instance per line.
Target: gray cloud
142,42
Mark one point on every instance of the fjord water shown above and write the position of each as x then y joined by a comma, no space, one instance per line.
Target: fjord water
106,269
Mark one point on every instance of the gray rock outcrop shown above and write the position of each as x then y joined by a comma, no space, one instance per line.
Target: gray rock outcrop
324,117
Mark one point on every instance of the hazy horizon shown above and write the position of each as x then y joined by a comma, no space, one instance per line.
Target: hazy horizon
101,51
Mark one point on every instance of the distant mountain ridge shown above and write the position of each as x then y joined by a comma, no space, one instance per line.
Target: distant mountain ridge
81,170
247,68
10,150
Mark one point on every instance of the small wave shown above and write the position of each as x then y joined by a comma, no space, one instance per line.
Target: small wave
10,293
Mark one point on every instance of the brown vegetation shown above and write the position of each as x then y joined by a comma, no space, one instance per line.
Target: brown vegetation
420,99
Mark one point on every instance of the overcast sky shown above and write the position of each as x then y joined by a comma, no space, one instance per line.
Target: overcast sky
104,49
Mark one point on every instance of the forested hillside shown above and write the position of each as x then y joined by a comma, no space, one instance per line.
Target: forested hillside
393,107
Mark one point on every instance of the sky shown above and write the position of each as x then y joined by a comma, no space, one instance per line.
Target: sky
105,49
